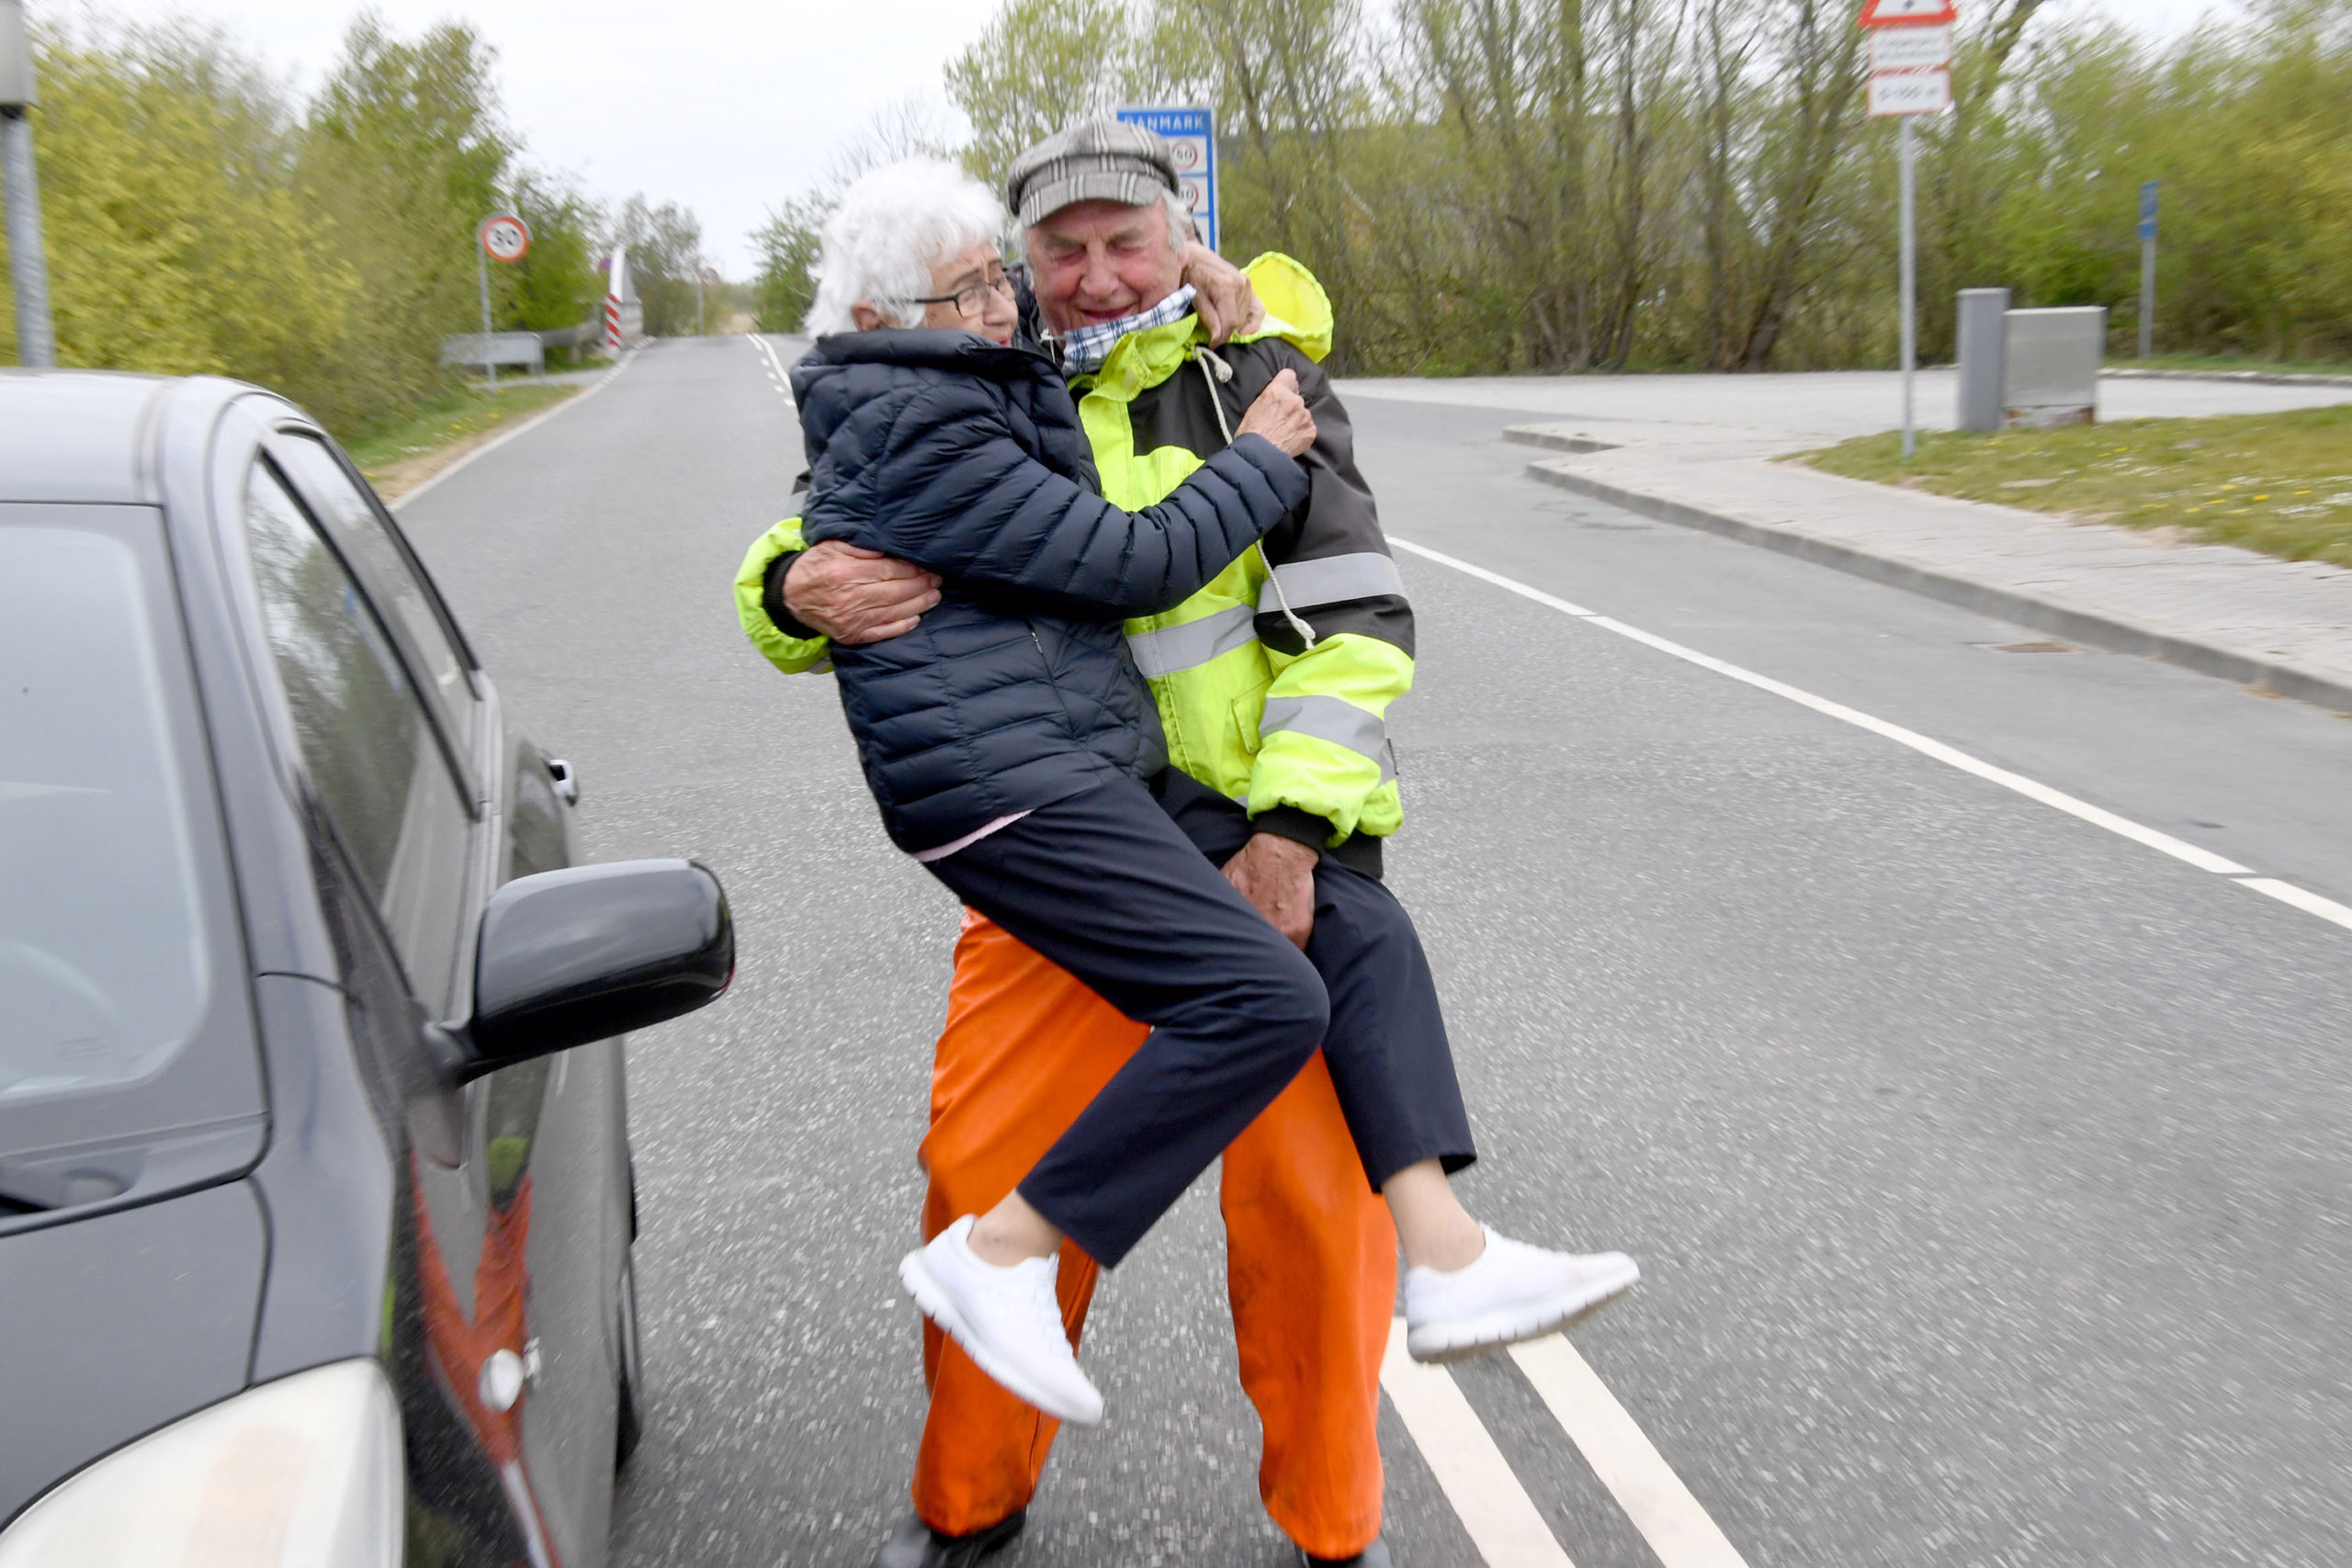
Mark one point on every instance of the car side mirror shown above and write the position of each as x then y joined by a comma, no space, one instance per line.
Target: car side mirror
588,953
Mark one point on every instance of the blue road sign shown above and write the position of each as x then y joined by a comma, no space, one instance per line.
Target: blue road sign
2148,210
1194,130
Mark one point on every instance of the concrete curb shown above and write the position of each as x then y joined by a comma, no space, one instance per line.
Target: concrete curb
2258,378
2117,634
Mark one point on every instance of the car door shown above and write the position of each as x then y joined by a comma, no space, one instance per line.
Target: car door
531,1224
393,748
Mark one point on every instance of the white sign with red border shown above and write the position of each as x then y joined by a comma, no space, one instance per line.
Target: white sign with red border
1907,12
1898,93
505,237
1910,48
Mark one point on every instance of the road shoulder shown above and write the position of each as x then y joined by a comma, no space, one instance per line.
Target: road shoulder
2283,627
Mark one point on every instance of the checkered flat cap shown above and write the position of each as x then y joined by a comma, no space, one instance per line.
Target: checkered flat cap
1096,159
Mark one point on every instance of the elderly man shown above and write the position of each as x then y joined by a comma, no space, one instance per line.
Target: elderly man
1272,684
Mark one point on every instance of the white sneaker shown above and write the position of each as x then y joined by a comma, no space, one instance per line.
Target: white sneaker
1007,1320
1510,1292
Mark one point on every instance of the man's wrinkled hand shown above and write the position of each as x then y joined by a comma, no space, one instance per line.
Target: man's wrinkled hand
1221,294
855,596
1277,874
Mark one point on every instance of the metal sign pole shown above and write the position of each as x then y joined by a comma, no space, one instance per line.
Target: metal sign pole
482,267
28,265
2148,270
21,192
1910,281
1910,60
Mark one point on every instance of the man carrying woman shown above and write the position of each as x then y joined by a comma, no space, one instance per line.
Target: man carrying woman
1271,685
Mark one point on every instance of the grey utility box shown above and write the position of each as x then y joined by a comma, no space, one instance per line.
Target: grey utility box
2051,374
1984,357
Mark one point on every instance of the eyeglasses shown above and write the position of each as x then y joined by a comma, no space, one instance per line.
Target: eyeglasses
972,299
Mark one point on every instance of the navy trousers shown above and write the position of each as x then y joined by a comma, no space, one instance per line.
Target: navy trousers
1391,1063
1108,885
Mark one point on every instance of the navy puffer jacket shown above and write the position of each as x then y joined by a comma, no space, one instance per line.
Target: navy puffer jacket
967,458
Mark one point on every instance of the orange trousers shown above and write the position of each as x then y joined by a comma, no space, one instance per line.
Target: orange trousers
1310,1255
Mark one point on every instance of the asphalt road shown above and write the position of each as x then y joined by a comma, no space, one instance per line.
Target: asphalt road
1988,1169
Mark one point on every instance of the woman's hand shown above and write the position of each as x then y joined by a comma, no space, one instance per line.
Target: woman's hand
1280,415
1221,295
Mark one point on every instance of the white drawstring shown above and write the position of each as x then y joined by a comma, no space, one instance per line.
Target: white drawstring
1215,369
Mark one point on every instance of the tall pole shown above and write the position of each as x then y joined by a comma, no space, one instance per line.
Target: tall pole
1910,157
28,263
21,192
2148,270
482,269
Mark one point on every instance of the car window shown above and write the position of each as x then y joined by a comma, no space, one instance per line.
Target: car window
103,948
368,747
363,535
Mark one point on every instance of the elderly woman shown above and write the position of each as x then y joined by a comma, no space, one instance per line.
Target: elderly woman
1016,752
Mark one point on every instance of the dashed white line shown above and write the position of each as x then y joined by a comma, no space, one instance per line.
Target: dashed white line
1503,1521
2164,844
1676,1527
774,366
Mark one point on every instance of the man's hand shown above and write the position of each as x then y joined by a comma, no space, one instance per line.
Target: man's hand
1221,294
854,595
1277,874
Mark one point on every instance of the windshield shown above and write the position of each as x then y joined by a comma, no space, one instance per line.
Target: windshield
102,941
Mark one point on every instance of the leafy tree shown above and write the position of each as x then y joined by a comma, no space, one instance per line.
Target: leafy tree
403,156
1041,65
176,239
557,284
201,220
664,254
787,285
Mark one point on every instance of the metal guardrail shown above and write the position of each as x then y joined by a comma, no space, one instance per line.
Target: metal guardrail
588,334
522,349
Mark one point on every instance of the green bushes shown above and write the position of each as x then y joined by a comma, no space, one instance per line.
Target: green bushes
199,220
1521,185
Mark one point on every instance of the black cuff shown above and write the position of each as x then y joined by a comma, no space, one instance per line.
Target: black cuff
771,598
1295,823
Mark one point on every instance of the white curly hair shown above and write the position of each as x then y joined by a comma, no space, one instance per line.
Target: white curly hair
892,226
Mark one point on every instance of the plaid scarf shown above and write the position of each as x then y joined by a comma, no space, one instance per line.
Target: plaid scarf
1085,348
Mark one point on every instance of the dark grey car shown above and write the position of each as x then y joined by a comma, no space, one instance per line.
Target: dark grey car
315,1201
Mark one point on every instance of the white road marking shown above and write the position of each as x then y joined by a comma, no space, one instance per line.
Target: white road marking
503,436
1676,1527
1502,1520
774,366
2308,902
2139,833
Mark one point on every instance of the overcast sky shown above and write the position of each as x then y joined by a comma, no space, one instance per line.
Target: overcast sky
727,106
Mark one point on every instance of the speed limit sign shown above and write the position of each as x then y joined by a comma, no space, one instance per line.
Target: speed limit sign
505,237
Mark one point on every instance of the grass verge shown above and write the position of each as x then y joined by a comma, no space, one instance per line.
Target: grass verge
2233,362
2280,483
400,455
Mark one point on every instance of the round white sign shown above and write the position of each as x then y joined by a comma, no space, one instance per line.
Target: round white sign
505,237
